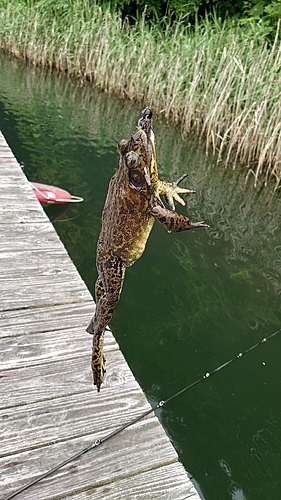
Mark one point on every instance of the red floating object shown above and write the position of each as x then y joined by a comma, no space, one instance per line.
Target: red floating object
52,194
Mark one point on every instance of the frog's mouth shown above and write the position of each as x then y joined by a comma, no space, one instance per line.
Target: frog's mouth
145,121
145,124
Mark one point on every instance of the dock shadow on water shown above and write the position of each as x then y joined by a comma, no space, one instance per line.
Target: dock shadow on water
195,299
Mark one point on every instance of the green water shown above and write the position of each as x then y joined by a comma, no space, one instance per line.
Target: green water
194,300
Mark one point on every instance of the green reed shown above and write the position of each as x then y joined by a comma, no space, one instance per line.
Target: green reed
221,81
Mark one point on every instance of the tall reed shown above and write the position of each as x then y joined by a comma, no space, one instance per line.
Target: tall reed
218,80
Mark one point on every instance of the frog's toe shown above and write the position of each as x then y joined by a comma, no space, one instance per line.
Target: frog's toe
199,224
182,190
172,193
177,197
169,200
180,179
176,190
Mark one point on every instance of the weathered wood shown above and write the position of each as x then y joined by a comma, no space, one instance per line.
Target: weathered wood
14,323
36,263
135,450
56,420
26,237
6,152
26,293
49,409
168,482
63,378
43,283
18,204
46,347
14,184
165,482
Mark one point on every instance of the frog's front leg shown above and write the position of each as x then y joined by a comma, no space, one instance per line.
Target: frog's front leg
108,289
173,221
171,191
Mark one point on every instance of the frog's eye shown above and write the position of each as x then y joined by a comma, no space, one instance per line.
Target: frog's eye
132,159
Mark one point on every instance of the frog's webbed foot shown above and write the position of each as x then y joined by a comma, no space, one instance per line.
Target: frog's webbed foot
171,191
173,221
98,361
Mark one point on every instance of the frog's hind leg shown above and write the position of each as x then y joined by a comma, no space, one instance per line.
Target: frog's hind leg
108,288
99,290
98,359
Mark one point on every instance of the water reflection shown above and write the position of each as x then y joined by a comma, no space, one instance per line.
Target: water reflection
194,300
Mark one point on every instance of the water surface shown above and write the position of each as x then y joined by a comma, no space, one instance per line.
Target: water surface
194,300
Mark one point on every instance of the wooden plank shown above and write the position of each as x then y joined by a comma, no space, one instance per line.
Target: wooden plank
15,214
137,449
24,237
31,337
48,347
45,260
28,294
6,152
13,177
14,182
167,482
18,203
62,378
2,140
37,265
39,279
40,272
33,425
14,323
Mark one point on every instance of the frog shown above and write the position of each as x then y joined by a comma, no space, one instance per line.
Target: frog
133,204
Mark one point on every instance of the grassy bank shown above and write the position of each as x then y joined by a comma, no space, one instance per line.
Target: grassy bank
222,82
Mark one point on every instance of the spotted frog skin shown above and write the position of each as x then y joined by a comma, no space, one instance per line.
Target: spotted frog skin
132,205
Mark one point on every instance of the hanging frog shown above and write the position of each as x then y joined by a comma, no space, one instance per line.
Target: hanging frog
132,205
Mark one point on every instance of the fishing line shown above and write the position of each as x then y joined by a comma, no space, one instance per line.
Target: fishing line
98,442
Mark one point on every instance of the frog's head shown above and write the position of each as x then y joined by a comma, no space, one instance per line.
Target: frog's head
138,157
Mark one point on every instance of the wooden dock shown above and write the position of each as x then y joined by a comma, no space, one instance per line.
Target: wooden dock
49,408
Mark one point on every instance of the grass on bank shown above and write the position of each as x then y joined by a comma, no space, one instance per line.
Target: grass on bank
217,80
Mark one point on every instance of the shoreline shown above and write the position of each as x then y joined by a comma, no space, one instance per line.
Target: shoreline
215,81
